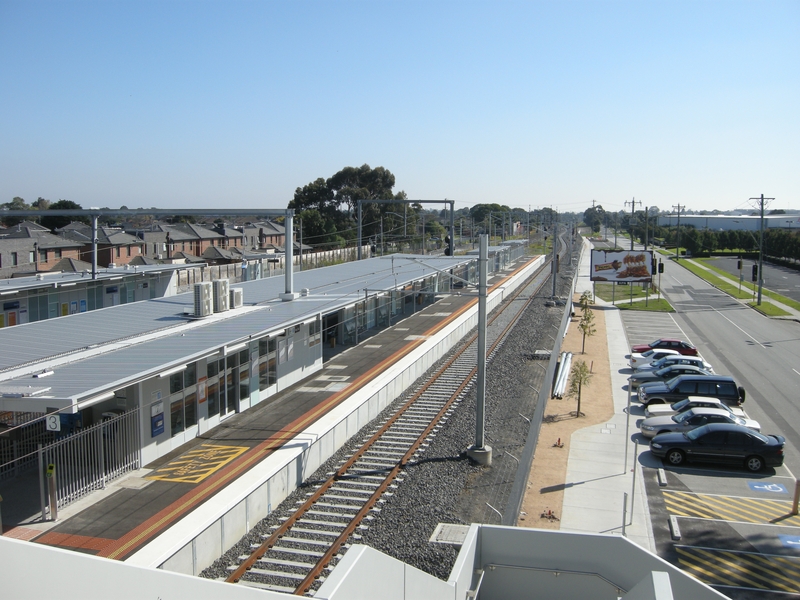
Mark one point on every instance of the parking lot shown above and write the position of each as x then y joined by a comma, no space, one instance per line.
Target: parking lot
730,528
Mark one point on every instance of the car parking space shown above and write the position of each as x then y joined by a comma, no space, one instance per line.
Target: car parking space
730,528
644,327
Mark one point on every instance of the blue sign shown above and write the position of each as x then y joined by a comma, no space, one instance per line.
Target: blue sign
157,425
790,541
774,488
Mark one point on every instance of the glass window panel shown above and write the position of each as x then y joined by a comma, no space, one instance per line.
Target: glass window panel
213,398
190,374
190,409
175,382
212,368
176,415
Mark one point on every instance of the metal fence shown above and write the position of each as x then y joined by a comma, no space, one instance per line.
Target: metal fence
18,446
89,459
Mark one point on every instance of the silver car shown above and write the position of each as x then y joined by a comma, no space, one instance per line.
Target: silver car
692,418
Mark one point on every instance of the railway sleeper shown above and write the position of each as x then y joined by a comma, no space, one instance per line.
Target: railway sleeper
291,551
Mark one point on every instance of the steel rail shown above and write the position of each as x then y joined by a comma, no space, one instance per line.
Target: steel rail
342,472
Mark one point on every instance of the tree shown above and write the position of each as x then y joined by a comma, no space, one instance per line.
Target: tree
16,203
594,217
336,201
579,377
55,222
586,327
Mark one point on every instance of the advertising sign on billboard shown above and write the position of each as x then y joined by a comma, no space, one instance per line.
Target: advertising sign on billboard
622,265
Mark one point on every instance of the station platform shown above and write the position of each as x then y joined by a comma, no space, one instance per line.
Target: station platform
184,510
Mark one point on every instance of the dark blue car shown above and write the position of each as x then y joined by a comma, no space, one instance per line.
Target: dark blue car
720,443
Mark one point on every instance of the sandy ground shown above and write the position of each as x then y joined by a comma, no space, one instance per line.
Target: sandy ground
541,506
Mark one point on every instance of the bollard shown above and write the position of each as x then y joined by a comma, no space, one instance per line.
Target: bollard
624,511
796,496
51,488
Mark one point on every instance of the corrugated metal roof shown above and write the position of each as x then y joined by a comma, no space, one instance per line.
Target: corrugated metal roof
118,345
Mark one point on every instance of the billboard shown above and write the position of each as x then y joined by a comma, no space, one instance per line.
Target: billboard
622,265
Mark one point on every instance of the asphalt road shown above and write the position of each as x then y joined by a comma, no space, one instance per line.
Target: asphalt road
762,354
783,280
735,530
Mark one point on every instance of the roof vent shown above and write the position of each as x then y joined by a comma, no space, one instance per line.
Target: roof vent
304,292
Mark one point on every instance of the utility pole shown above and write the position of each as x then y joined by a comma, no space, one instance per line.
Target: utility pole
633,204
646,226
678,229
761,247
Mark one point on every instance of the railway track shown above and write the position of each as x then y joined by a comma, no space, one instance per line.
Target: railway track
297,554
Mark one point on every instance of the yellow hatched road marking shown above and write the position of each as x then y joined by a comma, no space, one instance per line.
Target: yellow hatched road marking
730,508
197,464
728,567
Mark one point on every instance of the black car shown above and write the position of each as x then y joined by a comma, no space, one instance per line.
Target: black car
683,386
665,374
720,443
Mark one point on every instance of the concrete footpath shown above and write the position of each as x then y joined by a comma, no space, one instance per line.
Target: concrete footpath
598,474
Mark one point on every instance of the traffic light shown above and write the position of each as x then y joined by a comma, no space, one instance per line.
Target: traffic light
654,266
661,267
755,272
739,264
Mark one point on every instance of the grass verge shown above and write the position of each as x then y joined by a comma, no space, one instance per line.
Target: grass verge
653,305
769,309
623,292
723,283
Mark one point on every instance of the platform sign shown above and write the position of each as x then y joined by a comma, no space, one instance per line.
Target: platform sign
790,541
53,422
770,488
621,266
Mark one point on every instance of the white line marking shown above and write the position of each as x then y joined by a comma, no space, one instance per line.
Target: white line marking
796,371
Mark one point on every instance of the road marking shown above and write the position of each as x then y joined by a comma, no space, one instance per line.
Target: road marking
796,371
197,464
731,508
739,569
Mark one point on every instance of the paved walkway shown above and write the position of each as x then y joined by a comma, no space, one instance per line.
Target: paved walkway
598,474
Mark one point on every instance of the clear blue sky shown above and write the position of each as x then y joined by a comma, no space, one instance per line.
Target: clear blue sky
208,104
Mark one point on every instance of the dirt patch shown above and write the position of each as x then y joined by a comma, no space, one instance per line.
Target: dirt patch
541,506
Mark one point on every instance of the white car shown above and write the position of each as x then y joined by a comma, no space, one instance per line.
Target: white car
637,360
679,359
663,410
691,419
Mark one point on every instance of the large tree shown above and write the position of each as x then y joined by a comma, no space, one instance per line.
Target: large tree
54,222
594,217
335,201
16,203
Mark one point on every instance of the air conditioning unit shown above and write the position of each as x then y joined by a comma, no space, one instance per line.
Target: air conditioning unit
221,295
203,301
236,297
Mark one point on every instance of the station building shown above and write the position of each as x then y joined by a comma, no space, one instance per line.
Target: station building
163,371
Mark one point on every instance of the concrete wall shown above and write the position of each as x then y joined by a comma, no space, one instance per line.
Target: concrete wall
184,548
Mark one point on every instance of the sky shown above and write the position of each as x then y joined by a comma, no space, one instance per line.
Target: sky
201,104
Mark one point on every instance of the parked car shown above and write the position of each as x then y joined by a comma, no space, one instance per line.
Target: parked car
664,374
720,443
692,418
637,360
666,344
683,386
676,359
658,410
